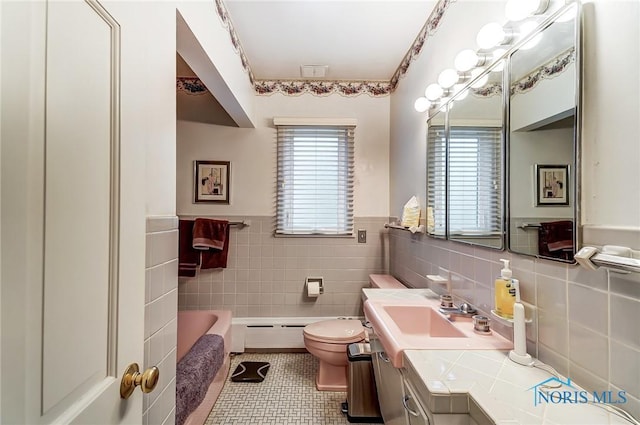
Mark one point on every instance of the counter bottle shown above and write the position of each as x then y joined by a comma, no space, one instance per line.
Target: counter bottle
504,294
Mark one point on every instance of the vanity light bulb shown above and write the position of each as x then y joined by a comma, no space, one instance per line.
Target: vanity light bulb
448,78
422,104
433,92
491,35
525,29
482,81
466,60
517,10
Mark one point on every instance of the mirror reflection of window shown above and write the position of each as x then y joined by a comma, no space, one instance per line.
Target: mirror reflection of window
475,179
475,162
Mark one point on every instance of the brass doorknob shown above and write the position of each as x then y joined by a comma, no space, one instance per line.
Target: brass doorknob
132,378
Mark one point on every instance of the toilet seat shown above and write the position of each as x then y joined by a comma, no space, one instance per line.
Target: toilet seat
336,331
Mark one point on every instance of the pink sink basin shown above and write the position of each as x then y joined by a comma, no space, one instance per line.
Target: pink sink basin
418,325
422,320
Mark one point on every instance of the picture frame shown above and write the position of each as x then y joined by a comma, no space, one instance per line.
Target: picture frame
552,185
211,181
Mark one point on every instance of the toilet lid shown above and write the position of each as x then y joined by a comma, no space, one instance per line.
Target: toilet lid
338,330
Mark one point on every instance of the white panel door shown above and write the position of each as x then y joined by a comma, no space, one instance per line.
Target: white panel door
66,283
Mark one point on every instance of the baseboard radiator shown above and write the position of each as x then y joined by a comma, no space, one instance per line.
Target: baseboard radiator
271,332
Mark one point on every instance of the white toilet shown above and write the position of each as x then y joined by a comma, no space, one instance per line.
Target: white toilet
327,340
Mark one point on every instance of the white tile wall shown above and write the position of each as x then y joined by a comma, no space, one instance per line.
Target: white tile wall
160,317
584,323
265,275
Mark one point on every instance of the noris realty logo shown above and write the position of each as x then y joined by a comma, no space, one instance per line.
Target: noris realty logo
557,391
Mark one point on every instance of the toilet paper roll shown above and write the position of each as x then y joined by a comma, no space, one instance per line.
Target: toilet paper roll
313,289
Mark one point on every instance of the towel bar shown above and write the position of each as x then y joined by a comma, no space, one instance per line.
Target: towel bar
419,229
616,258
240,224
525,226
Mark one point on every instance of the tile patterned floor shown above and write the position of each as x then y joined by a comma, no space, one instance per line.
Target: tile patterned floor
287,396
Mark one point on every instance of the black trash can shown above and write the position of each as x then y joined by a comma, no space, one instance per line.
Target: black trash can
362,396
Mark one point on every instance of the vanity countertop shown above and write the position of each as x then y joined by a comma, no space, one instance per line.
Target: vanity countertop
499,391
489,386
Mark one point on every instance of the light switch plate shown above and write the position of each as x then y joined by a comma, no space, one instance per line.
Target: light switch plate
362,236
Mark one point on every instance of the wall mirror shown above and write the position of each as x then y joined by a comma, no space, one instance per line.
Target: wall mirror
465,163
475,162
543,141
436,176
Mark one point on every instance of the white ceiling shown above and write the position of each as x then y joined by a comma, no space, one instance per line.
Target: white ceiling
357,39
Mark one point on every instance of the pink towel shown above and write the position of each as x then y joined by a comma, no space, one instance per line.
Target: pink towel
209,234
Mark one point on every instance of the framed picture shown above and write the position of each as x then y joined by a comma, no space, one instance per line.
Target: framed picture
552,184
211,181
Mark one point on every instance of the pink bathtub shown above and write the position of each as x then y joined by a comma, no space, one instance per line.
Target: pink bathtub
191,326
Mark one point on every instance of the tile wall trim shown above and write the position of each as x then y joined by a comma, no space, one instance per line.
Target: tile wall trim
611,235
161,223
161,299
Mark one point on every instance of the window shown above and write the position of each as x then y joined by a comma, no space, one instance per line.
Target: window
314,180
475,198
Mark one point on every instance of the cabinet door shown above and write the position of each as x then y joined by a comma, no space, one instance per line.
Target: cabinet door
389,384
415,412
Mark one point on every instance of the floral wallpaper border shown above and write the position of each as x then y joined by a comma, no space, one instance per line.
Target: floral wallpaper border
324,87
555,66
428,29
235,41
487,90
191,85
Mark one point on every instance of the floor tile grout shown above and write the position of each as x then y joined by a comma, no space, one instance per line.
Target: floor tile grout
287,396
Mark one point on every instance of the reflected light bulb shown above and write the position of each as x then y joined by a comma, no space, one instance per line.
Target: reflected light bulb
448,78
421,104
491,35
525,29
466,60
482,81
433,92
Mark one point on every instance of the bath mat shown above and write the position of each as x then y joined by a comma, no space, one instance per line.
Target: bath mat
250,372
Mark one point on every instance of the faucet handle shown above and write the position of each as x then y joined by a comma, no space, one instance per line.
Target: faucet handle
446,301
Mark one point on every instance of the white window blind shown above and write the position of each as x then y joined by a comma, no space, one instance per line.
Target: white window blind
475,175
436,180
315,180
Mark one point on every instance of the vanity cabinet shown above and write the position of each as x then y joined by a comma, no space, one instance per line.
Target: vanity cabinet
416,413
389,384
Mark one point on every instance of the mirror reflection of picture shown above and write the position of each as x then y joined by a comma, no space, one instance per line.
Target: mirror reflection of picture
552,183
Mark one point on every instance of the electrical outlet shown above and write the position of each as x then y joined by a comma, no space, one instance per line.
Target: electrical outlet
362,236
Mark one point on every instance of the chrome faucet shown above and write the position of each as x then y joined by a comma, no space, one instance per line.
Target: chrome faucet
448,308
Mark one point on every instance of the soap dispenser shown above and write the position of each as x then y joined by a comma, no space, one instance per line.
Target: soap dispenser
504,294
